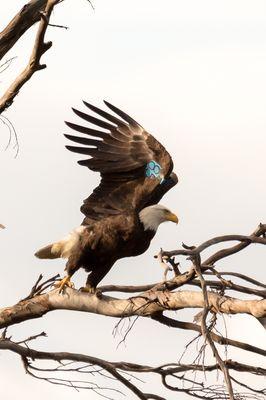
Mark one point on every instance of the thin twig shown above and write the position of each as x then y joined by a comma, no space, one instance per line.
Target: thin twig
59,26
6,64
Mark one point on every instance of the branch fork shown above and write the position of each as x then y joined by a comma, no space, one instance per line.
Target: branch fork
42,11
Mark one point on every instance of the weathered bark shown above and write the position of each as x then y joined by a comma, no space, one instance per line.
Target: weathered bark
142,305
39,48
25,18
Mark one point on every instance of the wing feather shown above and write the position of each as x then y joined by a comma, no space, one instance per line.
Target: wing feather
105,115
93,120
122,114
82,140
87,131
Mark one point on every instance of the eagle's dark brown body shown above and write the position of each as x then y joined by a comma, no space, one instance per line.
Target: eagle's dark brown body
136,171
102,244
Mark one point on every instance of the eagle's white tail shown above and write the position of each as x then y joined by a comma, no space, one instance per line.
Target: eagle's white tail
64,247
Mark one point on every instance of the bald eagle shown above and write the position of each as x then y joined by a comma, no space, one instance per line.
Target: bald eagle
122,214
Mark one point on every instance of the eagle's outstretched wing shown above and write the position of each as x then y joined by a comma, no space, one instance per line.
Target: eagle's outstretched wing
132,162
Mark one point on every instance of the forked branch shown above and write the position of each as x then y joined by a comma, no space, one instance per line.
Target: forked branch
30,13
22,21
88,369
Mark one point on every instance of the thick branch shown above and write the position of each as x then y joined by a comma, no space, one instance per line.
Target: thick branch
40,47
140,305
25,18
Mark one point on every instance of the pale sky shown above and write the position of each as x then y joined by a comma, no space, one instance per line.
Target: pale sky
193,74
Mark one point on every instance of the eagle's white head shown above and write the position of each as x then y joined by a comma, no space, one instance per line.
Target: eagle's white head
153,216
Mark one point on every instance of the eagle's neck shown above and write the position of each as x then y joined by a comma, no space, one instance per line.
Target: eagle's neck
151,217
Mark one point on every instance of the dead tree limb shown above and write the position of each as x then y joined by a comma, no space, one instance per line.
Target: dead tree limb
23,20
34,64
140,305
88,366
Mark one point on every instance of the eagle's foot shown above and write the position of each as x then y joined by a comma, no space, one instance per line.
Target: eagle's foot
91,290
63,283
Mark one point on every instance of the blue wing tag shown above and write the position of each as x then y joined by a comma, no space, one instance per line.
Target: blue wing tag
153,171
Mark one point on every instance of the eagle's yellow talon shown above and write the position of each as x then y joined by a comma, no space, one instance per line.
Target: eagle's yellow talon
88,289
63,283
91,290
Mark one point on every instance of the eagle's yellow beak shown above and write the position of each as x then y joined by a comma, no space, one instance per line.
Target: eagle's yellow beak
171,217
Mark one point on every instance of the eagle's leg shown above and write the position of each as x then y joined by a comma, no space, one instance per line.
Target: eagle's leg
94,278
71,267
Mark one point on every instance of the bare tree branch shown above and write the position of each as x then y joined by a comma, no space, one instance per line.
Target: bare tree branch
260,231
85,365
219,239
40,47
25,18
206,331
228,285
6,64
140,305
238,275
215,337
